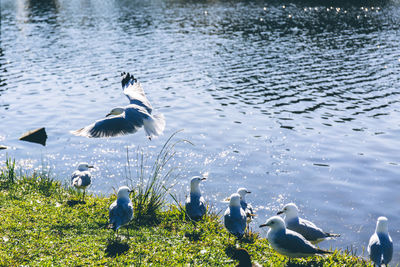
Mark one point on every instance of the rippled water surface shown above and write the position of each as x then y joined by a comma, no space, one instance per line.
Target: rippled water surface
297,102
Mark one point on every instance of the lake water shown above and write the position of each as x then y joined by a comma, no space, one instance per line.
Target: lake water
297,102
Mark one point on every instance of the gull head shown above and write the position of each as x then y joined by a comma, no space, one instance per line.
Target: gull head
123,192
83,166
275,222
234,200
194,184
116,111
290,210
242,192
382,225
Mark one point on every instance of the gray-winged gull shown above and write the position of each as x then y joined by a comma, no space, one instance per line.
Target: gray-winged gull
235,217
195,205
81,178
128,119
306,228
380,246
288,242
247,207
121,210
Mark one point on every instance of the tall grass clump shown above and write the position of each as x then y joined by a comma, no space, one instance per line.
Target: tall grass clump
8,174
150,189
39,181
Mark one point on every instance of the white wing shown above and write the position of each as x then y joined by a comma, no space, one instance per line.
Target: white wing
134,91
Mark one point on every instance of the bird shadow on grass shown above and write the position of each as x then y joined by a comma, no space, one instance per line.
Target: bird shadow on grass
230,250
239,254
300,264
194,235
73,202
115,248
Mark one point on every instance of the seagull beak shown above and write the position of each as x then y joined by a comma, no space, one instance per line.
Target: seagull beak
280,212
90,166
248,192
204,178
109,114
263,225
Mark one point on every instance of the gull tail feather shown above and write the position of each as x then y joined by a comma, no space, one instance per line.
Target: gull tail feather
155,125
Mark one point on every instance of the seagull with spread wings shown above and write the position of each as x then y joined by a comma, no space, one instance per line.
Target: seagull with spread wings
128,119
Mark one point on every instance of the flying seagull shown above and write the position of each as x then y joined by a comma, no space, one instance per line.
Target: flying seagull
195,204
306,228
288,242
380,247
81,178
128,119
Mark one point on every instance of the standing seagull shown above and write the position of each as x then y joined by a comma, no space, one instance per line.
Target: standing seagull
248,209
306,228
195,204
288,242
128,119
121,210
380,247
235,217
81,178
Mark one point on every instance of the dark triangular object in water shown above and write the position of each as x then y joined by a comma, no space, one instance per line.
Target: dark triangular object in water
2,147
35,136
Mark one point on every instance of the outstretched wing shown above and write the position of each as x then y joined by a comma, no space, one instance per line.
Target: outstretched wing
134,91
108,127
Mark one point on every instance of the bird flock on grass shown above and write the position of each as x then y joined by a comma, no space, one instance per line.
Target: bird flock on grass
292,236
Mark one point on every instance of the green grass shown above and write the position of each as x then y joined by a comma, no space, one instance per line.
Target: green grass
41,225
150,189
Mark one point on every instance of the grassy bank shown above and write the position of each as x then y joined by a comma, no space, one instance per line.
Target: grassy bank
42,224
